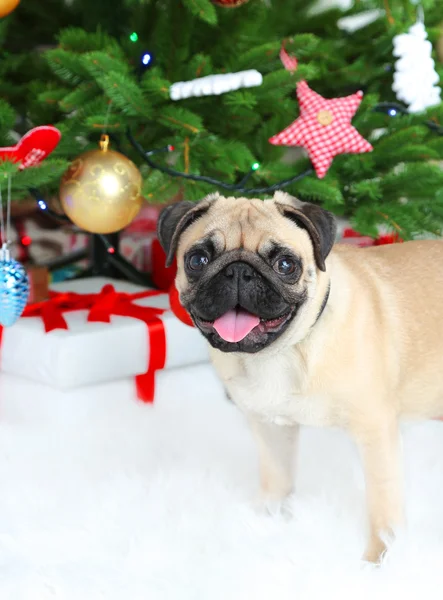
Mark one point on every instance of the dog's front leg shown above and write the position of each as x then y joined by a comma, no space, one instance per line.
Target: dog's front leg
381,454
277,453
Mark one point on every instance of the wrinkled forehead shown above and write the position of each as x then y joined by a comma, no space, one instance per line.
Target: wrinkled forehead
233,223
245,224
240,223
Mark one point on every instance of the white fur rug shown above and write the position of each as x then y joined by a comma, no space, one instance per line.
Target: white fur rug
102,497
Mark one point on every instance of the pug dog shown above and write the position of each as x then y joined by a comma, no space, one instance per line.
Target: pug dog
304,333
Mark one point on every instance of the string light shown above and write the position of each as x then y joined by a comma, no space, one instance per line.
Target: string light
389,108
146,62
43,206
134,37
26,240
393,109
233,187
146,58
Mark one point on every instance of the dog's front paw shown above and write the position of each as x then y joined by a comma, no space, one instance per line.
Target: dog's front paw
375,551
274,507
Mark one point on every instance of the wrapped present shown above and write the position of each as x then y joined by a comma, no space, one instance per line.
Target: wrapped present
136,247
96,330
38,283
146,220
137,239
39,241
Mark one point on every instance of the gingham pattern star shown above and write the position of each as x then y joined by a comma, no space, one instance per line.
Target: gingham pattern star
323,128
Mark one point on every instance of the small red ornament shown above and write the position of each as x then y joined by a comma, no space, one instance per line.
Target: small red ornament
33,148
324,126
26,240
177,308
162,276
354,238
388,238
229,3
164,279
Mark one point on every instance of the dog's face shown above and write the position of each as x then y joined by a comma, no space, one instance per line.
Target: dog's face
246,268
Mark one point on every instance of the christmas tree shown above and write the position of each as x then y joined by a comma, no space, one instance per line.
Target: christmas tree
118,77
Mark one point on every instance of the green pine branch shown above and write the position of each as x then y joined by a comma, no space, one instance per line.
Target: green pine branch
125,94
77,40
181,120
7,115
83,94
155,85
49,170
100,63
158,187
202,9
324,191
67,65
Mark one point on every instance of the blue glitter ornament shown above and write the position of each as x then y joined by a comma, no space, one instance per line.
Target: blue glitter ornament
14,288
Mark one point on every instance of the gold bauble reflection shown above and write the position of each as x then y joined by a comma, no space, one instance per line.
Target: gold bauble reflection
101,190
7,6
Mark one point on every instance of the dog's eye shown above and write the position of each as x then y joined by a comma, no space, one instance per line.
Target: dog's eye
197,261
284,266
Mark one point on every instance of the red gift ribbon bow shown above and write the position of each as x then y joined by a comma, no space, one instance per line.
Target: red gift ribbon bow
101,307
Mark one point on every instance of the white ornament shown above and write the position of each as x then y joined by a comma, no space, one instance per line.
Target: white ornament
214,85
360,20
415,78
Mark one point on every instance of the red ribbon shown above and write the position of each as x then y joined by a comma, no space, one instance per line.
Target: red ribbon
101,307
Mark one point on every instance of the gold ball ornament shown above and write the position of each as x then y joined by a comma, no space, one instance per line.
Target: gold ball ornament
7,6
101,190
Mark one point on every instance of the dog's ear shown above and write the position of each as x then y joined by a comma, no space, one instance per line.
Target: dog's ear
318,222
173,221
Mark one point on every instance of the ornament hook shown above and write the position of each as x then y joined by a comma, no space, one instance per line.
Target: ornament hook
5,254
104,142
5,222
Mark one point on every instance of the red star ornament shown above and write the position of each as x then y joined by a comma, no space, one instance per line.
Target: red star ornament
323,128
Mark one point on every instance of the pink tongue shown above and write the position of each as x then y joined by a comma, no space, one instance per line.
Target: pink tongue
235,325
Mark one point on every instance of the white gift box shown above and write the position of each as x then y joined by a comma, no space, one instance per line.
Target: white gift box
90,352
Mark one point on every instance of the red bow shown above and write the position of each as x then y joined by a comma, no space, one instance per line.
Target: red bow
101,307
